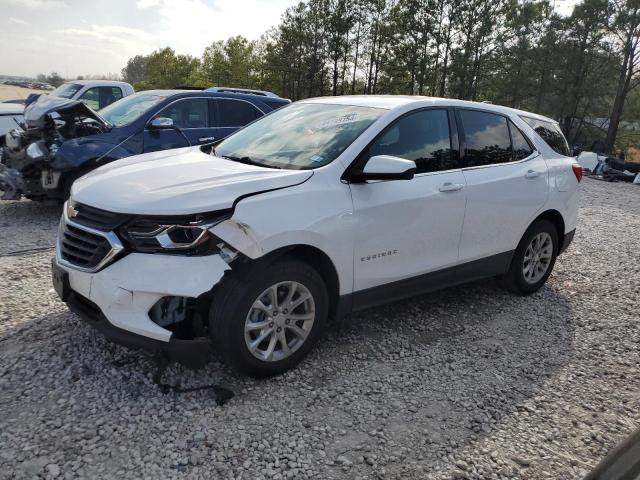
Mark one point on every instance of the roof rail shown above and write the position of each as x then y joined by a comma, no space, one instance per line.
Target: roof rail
246,91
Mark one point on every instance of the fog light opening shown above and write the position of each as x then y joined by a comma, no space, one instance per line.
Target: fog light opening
180,315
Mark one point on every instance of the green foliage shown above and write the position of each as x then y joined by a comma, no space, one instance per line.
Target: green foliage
165,69
511,52
55,79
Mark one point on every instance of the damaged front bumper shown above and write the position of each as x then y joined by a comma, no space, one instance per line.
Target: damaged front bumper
121,301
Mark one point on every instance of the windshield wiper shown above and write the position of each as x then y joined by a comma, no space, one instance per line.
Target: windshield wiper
249,161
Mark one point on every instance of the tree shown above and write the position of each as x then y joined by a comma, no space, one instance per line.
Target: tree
165,69
625,32
55,79
134,71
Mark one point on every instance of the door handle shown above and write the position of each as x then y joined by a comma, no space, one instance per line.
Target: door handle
206,139
531,174
450,187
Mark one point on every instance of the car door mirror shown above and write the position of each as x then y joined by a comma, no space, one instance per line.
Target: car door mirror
386,167
161,123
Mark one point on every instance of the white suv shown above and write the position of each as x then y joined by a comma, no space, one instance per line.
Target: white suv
318,209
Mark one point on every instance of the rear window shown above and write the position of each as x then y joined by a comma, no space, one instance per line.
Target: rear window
550,133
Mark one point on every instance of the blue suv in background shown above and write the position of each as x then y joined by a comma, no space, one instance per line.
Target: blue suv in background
61,140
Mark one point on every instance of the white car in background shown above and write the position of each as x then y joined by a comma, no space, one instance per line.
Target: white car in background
96,94
321,208
11,114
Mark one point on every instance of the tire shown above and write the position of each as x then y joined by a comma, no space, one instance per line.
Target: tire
525,281
237,319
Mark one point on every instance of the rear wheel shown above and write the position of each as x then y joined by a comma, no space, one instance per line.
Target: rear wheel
533,260
265,322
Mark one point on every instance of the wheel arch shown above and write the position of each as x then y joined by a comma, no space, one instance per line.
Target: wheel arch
314,257
556,218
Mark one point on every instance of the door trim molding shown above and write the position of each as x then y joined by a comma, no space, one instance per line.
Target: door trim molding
428,282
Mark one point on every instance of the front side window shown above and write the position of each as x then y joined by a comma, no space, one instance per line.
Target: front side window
550,133
188,113
236,113
299,136
487,139
66,90
130,108
420,136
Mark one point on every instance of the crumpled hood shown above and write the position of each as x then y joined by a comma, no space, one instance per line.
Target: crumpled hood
177,182
35,113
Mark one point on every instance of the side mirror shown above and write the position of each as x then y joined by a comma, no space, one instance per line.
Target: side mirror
161,123
386,167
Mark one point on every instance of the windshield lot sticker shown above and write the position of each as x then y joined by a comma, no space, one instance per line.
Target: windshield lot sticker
339,121
317,158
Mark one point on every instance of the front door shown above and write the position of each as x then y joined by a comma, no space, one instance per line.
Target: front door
194,125
407,228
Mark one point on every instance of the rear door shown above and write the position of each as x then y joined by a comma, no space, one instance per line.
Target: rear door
233,114
507,184
191,116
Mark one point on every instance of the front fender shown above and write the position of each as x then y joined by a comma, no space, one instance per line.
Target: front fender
88,152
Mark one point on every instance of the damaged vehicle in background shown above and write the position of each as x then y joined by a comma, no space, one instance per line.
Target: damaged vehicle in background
60,139
321,208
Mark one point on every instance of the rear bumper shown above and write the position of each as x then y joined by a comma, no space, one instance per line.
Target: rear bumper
568,238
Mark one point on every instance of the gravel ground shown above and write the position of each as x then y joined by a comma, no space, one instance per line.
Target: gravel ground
470,382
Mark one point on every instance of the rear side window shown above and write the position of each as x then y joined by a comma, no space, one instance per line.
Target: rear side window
275,104
550,133
422,137
487,139
521,147
236,113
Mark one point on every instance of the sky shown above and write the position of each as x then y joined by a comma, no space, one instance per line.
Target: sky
80,37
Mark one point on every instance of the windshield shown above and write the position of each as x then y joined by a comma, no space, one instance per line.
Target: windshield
129,109
66,90
299,136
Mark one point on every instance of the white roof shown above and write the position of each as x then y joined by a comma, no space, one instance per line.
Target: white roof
11,109
98,82
393,101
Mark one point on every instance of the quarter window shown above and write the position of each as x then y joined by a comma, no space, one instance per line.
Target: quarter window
187,113
521,147
236,113
422,137
487,139
550,133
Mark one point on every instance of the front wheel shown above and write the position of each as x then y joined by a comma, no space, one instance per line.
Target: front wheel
263,323
533,260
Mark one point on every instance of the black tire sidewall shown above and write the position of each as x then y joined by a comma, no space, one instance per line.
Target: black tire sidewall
231,306
516,273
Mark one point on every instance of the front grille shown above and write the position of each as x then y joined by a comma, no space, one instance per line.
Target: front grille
81,248
96,218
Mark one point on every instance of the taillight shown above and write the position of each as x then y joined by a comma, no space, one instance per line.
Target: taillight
577,171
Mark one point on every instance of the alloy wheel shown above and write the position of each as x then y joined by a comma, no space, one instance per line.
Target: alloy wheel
537,257
279,321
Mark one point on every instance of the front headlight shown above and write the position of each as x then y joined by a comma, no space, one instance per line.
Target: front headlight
188,236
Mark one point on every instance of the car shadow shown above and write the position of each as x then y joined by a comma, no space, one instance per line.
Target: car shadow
431,373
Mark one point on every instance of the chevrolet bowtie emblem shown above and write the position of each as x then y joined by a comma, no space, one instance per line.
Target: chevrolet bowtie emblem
71,211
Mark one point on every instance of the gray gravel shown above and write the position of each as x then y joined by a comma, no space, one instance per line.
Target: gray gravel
469,383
